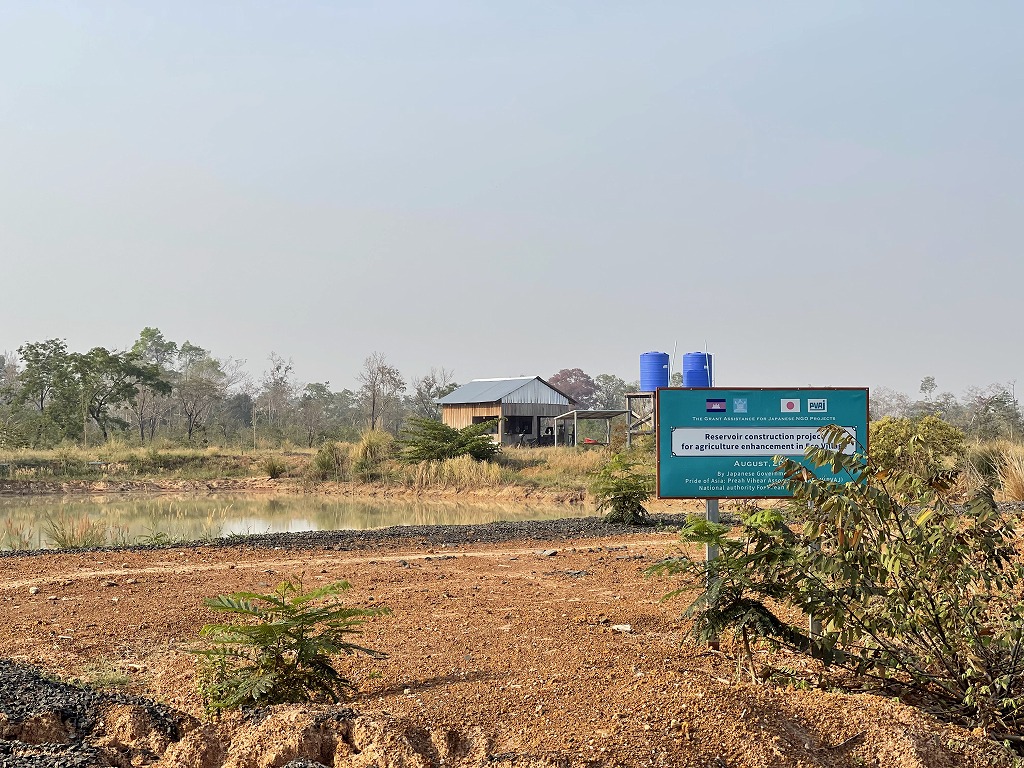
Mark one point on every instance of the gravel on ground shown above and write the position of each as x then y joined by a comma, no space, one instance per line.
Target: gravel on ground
509,645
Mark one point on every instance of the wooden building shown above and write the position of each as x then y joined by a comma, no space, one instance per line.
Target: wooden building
523,409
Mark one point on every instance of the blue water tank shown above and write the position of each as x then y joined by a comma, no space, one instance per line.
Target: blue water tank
653,370
697,369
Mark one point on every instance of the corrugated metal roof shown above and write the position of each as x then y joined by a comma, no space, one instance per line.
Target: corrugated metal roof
523,389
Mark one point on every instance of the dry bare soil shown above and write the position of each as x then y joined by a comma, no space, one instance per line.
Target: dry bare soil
508,646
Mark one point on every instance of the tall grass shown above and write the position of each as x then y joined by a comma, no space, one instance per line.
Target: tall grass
119,460
1011,473
67,532
371,453
555,468
273,466
13,536
332,462
462,473
986,457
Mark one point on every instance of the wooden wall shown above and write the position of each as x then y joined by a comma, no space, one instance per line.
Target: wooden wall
460,416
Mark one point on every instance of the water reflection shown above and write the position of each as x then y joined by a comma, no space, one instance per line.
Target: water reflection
28,522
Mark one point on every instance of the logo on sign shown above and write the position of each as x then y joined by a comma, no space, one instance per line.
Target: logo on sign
817,406
790,405
716,406
739,405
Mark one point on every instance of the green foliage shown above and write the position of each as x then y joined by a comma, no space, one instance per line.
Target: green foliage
274,467
67,532
911,593
922,446
374,448
12,437
330,462
621,488
280,652
429,440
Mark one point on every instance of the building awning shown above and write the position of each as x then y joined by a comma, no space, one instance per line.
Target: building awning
589,415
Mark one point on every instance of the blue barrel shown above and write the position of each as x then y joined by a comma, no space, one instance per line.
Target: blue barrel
653,370
697,369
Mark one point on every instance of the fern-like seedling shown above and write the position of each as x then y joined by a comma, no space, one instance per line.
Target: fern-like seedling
281,650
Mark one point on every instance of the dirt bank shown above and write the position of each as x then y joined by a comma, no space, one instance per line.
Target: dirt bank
284,486
526,644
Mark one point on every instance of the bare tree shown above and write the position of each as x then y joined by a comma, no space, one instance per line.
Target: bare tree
277,390
202,382
313,406
381,386
427,389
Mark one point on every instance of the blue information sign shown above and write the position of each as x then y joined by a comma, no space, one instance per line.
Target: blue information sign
719,443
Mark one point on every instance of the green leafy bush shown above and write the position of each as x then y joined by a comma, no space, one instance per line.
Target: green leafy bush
621,488
912,594
429,440
922,446
282,653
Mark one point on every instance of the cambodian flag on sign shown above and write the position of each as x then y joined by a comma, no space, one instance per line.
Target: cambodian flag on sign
790,406
716,406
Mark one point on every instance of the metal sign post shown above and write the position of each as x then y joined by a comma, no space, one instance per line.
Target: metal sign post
711,550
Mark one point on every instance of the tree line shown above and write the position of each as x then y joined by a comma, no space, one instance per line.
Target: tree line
180,392
183,393
984,413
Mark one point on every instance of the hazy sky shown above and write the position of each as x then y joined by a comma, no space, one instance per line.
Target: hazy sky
825,193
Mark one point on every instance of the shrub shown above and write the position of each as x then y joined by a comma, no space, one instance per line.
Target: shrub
621,489
922,446
429,440
273,467
373,449
912,593
330,462
282,654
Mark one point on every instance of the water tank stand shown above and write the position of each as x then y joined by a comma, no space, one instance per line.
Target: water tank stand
640,416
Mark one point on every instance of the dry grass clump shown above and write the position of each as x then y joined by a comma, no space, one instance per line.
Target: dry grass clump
371,455
562,468
462,473
968,481
68,532
986,456
574,461
1011,473
15,536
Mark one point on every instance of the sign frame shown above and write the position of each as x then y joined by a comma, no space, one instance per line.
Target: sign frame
677,413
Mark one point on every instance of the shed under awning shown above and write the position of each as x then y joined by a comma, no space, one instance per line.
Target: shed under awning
589,415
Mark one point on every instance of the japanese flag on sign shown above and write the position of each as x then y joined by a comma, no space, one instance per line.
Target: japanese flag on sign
790,405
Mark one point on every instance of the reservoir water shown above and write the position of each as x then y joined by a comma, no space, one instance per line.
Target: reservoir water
43,521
